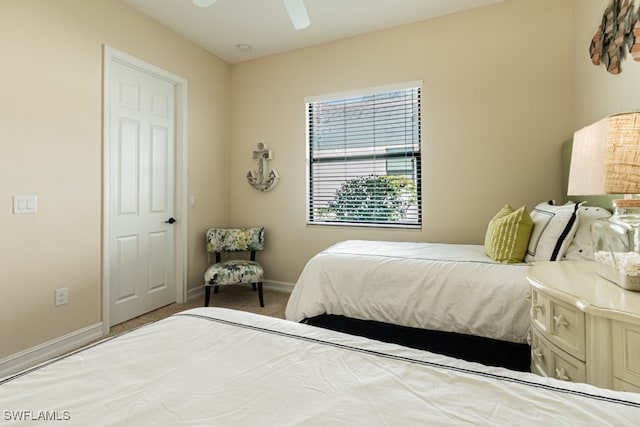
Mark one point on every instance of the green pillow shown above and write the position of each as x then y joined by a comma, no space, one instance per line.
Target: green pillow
508,235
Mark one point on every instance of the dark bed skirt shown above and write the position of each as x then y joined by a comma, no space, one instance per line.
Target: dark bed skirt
468,347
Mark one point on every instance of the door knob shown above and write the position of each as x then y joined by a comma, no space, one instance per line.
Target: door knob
170,221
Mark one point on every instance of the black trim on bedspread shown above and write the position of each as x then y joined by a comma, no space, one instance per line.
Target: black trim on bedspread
472,348
416,361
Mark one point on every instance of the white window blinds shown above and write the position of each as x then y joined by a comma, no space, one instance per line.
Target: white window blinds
364,158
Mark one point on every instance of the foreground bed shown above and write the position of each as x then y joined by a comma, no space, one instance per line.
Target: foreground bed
212,366
454,293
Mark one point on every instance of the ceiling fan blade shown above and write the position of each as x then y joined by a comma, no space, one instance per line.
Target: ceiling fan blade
203,3
297,13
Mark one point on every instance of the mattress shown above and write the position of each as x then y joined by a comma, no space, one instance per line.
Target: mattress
213,366
436,286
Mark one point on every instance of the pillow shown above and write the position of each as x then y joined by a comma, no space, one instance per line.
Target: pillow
553,230
508,234
581,248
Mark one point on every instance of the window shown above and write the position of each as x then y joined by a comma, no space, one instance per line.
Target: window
364,158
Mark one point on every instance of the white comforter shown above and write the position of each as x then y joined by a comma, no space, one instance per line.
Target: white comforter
437,286
211,366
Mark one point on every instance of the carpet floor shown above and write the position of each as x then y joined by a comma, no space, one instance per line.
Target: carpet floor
234,297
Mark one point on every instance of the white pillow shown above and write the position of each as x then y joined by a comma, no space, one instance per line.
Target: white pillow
553,230
581,248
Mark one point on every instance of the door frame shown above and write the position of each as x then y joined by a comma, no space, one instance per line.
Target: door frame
111,55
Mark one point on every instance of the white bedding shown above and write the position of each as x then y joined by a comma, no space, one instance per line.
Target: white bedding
212,366
437,286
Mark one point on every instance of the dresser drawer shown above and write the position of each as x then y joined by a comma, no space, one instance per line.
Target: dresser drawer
626,352
562,324
541,357
551,361
540,309
625,386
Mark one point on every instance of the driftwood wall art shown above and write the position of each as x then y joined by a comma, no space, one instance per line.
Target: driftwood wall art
618,32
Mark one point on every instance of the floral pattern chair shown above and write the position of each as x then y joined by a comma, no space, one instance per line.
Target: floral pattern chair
234,271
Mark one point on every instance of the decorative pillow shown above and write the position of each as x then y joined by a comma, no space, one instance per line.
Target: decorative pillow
508,234
553,230
581,248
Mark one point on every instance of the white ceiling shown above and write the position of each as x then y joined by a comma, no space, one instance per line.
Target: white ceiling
265,24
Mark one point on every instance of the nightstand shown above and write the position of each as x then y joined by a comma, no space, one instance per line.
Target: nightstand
583,327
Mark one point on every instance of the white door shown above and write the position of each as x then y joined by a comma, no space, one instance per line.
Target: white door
141,189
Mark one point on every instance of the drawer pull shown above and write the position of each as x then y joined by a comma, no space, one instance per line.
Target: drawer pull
561,374
535,309
560,321
538,354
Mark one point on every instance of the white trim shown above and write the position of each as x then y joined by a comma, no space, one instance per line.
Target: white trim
364,91
195,293
50,349
275,285
182,139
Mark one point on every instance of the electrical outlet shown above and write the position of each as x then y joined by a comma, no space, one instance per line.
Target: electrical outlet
61,296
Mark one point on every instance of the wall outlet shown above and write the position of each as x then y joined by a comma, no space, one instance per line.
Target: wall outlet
61,296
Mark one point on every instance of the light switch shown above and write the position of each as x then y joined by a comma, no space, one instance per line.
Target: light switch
25,204
192,200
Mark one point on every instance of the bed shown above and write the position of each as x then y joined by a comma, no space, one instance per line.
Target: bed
213,366
436,296
447,287
452,299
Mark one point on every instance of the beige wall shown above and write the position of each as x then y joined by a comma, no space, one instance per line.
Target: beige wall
51,136
599,93
497,104
503,87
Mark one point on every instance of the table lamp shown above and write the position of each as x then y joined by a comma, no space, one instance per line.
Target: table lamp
605,159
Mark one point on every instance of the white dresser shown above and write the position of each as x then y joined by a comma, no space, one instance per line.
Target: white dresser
583,327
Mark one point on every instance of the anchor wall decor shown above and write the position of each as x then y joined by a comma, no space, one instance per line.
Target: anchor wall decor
260,179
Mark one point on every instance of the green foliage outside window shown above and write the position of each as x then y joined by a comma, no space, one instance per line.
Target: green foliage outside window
372,198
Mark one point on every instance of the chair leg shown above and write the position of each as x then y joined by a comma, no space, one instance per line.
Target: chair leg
260,294
207,295
253,286
215,289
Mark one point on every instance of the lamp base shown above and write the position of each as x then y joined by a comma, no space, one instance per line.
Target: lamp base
616,244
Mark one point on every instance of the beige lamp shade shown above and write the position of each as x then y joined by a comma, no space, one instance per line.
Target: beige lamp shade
605,158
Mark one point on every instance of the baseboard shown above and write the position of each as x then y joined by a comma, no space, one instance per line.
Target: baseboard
41,353
48,350
273,285
279,286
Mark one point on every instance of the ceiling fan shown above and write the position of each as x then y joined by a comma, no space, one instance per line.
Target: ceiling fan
295,8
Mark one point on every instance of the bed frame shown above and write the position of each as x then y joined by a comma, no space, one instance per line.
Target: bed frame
472,348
